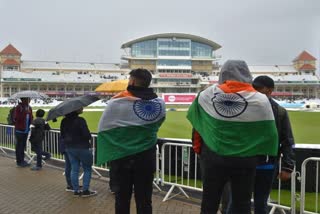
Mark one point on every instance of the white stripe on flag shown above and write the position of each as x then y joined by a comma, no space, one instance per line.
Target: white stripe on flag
243,106
126,111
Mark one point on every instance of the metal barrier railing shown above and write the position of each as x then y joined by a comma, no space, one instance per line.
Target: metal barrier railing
303,184
176,166
7,139
176,171
51,145
277,205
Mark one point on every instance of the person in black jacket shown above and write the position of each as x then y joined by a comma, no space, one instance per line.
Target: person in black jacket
37,136
76,137
267,166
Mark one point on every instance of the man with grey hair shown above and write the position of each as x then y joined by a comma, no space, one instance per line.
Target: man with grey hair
235,124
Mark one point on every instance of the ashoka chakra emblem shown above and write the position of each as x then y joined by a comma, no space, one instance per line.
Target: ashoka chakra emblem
147,110
229,105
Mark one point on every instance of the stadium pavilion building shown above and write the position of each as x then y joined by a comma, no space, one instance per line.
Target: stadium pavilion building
180,63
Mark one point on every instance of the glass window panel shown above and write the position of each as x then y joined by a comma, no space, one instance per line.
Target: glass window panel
164,62
144,49
177,47
201,50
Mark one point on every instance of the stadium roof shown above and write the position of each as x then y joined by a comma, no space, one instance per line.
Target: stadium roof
81,66
10,62
10,50
304,56
199,39
272,69
307,67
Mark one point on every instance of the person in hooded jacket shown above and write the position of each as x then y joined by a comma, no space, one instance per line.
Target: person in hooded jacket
233,124
37,136
76,137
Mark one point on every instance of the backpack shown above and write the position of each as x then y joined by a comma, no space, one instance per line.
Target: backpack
10,117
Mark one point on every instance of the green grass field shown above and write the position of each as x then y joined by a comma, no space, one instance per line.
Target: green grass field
305,125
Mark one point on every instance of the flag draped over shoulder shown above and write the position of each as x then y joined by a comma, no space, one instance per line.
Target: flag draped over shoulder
129,125
233,122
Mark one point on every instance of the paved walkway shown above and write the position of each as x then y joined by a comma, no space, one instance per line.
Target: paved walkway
23,191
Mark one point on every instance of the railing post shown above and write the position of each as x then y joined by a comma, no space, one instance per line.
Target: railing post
303,182
293,191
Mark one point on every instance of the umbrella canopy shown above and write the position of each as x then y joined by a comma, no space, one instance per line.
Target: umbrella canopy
70,105
112,87
29,94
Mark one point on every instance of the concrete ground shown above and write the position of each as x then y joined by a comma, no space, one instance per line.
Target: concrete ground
23,191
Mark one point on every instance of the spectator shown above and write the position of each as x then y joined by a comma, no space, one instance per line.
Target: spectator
37,136
127,138
235,124
76,137
266,168
22,119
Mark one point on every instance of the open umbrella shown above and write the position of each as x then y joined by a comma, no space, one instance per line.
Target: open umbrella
29,94
112,87
70,105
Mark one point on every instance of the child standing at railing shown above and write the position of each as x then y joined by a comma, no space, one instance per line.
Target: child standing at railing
37,136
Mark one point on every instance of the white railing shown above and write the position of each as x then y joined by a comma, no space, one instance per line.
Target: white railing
303,184
7,139
179,169
177,166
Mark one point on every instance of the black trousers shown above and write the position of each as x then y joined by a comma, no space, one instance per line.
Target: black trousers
37,148
262,188
21,141
216,172
135,171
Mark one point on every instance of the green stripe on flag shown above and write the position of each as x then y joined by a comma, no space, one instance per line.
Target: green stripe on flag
121,142
241,139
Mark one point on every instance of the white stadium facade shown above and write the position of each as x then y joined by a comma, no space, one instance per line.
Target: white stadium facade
180,63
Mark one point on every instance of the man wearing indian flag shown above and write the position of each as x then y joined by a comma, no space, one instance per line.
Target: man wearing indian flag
236,124
127,138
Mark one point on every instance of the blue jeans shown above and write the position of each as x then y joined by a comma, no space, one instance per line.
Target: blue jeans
67,169
21,141
262,188
84,157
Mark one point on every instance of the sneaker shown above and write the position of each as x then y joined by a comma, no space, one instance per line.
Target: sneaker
36,168
23,164
88,193
77,194
69,189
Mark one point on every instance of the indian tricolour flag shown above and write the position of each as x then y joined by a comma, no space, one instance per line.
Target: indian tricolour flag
235,123
129,125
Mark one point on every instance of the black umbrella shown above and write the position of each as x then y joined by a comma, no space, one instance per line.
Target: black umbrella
70,105
29,94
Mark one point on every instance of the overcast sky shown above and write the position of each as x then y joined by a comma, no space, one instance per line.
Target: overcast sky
262,32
